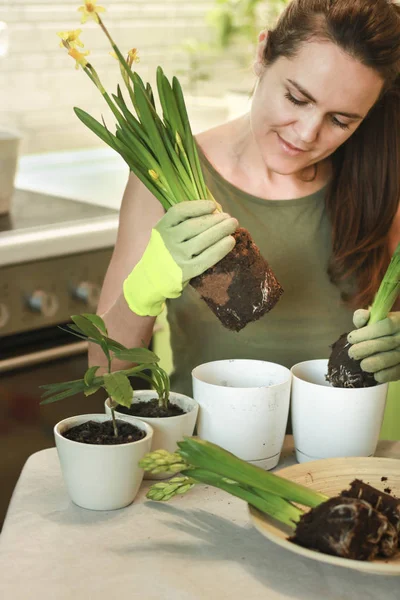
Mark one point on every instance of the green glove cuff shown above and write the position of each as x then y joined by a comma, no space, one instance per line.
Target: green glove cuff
155,278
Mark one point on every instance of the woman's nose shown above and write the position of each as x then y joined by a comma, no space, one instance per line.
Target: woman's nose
308,128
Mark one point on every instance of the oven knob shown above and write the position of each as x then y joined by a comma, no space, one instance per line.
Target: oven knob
4,315
88,292
43,302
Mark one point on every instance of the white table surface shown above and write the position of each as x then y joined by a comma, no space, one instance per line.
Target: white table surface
197,546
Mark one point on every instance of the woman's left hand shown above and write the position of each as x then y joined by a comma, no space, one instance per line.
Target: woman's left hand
377,345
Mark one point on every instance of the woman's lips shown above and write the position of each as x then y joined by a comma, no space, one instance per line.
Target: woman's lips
288,148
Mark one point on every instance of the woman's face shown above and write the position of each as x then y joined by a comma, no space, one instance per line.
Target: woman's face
307,106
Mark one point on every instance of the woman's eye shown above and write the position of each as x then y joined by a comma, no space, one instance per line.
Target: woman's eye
297,102
338,123
294,100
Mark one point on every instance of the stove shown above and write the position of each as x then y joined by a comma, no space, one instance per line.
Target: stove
55,247
54,254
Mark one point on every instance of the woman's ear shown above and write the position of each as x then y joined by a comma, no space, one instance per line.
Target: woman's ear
258,65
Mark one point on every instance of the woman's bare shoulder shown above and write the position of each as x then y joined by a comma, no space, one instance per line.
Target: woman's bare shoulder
216,143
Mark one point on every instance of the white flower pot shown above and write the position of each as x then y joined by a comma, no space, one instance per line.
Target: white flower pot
329,422
101,477
244,407
167,430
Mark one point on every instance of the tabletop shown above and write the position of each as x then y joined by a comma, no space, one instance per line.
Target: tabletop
198,546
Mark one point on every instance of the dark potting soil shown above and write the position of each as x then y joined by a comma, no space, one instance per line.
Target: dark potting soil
151,409
387,505
345,372
241,287
93,432
347,527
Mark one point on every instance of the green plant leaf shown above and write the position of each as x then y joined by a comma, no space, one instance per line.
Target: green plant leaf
91,390
102,132
96,320
113,344
89,375
137,355
51,388
61,396
188,140
119,388
105,348
87,327
172,180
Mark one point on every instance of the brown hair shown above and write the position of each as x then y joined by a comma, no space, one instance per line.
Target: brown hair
364,194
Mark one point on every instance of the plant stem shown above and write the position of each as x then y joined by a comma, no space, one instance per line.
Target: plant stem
112,403
112,406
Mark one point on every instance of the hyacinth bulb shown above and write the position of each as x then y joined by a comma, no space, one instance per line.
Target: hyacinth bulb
346,372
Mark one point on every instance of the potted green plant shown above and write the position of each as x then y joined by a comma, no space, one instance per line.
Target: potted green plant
168,416
98,455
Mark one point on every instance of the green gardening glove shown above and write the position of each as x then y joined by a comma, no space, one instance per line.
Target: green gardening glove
377,345
189,239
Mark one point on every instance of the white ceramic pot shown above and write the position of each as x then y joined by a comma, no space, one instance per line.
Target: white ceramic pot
167,430
329,422
244,407
101,477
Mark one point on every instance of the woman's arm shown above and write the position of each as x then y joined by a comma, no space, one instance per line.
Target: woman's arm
140,211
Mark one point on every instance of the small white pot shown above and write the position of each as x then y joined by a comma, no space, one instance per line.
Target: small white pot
244,407
329,422
101,477
167,430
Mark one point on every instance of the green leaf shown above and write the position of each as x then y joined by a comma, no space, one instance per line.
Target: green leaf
57,387
148,121
113,344
74,330
87,327
119,388
89,375
61,396
91,390
102,132
96,320
150,95
105,348
169,105
188,140
135,125
137,355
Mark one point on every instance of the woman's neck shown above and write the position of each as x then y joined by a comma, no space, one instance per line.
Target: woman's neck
232,151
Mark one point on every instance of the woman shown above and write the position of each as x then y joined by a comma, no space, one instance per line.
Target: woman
312,172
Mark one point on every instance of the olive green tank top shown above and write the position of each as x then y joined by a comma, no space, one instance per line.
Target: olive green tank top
294,236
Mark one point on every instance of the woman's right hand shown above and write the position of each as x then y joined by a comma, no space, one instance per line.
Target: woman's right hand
189,239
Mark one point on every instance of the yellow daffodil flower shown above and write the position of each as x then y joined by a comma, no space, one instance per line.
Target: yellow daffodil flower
79,57
71,38
133,56
90,11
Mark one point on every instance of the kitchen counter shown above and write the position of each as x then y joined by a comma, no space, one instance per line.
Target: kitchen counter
197,546
40,225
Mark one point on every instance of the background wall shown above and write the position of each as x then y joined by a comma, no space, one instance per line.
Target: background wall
38,80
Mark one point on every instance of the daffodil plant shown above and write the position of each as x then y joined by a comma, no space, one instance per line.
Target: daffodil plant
160,150
117,384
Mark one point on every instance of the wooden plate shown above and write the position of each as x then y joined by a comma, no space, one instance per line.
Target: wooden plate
331,476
